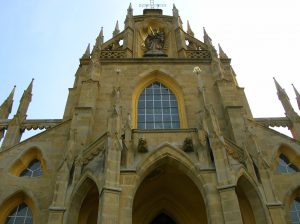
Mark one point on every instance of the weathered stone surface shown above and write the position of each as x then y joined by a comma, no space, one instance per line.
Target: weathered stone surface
98,167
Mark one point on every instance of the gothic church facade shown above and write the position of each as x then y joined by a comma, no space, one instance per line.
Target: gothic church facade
155,130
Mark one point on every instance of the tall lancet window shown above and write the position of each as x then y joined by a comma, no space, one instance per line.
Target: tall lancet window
157,108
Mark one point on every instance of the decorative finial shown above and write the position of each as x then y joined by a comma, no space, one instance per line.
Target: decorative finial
87,53
5,108
130,10
189,30
101,32
100,39
207,39
117,30
29,88
175,11
222,54
297,96
280,91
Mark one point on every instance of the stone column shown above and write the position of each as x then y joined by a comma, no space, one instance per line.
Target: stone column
109,202
109,205
276,213
230,205
214,205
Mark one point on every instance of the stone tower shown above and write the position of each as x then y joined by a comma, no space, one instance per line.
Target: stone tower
155,130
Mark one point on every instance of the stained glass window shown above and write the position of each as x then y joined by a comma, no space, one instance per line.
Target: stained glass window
157,108
33,170
20,215
295,211
285,166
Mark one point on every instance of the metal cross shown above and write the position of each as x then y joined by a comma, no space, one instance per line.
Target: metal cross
152,5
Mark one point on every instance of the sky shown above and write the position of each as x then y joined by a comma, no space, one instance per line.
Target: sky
45,39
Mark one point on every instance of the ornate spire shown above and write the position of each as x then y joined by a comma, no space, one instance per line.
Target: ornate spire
207,39
130,10
285,101
87,53
280,91
208,42
175,11
117,30
6,106
189,29
25,100
100,39
222,54
297,96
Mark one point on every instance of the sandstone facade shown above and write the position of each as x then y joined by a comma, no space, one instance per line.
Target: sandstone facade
220,165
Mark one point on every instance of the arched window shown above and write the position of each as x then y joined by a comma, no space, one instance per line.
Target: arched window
33,170
285,166
20,215
157,108
295,211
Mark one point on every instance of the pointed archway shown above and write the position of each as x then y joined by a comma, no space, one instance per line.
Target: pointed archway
85,203
162,218
168,195
88,213
251,207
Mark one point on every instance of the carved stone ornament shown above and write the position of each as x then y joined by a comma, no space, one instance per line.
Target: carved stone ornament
188,145
142,145
154,44
237,154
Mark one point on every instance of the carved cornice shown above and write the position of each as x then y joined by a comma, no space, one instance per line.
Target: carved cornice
274,121
94,149
235,151
32,123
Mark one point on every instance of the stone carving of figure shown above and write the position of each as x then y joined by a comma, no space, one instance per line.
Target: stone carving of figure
154,43
155,40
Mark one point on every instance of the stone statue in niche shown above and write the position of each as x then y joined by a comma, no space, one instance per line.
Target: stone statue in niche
142,145
188,145
154,44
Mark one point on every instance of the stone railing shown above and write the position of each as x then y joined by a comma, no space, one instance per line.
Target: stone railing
111,54
198,54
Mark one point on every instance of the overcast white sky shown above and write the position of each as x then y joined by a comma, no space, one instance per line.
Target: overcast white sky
45,39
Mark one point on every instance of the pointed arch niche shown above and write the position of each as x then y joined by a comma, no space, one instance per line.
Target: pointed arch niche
251,207
33,155
287,160
167,193
168,82
10,205
83,208
293,208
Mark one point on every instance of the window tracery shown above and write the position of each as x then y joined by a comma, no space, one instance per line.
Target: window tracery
157,108
34,169
295,211
20,215
285,166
